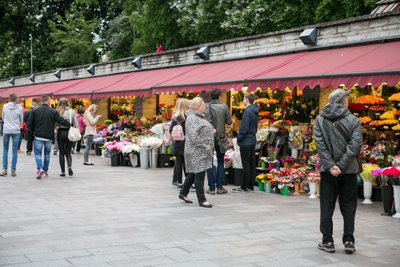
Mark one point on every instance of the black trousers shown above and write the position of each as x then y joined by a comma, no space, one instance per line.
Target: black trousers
344,186
179,165
198,180
249,168
64,148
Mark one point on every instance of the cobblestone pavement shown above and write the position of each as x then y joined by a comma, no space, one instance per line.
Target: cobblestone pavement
124,216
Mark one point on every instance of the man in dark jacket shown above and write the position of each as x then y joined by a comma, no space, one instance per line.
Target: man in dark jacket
29,141
218,115
246,140
338,149
41,130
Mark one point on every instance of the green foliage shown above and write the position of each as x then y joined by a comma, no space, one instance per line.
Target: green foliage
73,39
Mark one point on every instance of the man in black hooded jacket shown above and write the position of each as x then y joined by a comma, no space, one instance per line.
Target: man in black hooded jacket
246,140
338,148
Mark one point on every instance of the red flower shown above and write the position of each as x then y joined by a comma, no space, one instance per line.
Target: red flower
372,160
356,108
393,171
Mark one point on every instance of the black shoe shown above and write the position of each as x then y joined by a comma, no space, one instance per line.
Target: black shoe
206,205
62,174
88,163
349,247
328,247
239,190
70,172
185,199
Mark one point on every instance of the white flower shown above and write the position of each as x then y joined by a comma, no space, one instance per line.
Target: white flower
151,142
131,148
158,130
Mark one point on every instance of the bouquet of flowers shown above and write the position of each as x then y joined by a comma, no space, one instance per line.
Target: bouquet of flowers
366,175
392,174
151,142
272,153
295,138
158,130
131,148
262,135
314,177
113,147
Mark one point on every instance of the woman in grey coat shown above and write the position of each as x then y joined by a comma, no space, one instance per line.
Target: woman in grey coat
199,147
338,149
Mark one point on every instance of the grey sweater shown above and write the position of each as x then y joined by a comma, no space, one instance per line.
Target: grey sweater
332,147
12,117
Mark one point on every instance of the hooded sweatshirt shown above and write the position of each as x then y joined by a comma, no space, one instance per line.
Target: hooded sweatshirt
332,147
246,138
12,117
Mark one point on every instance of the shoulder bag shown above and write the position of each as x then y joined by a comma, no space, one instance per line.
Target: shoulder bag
74,134
336,124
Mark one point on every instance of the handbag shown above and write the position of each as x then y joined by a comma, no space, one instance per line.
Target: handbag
74,134
336,124
223,144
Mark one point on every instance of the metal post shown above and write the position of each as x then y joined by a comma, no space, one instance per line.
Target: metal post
30,38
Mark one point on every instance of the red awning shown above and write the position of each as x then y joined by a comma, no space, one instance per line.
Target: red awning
374,63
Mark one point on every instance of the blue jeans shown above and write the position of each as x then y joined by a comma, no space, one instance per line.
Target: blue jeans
6,142
38,148
216,178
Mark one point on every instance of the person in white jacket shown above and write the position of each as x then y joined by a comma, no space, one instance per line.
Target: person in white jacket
13,118
91,118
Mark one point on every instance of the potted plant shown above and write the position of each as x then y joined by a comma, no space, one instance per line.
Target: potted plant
368,178
394,179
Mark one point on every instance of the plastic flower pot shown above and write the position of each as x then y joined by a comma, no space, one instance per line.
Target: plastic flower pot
367,187
263,164
115,159
267,188
260,186
396,193
285,191
387,195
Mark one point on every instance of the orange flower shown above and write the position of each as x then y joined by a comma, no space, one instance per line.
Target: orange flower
395,97
370,100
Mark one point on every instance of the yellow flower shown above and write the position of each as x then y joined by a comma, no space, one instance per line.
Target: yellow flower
388,115
277,115
388,122
365,119
396,128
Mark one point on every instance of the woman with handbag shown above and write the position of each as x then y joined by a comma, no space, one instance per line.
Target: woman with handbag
91,118
199,148
64,144
179,117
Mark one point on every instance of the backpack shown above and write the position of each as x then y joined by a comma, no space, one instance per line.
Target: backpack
177,132
166,135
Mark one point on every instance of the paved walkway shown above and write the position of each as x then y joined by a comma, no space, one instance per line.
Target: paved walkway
124,216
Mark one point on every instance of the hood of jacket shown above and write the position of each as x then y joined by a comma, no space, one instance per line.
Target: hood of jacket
335,111
253,109
12,105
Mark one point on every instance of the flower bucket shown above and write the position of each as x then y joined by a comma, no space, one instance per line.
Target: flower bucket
387,195
153,158
301,190
285,191
144,158
115,159
295,153
267,188
296,188
263,164
270,165
286,165
313,189
396,193
367,187
261,186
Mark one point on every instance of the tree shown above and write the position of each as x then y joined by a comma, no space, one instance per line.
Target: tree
73,39
119,37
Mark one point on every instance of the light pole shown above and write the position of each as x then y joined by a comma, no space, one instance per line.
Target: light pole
30,38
